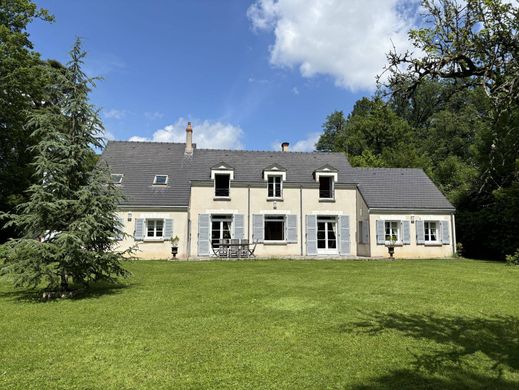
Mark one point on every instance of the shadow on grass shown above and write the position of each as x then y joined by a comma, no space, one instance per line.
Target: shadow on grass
96,290
469,352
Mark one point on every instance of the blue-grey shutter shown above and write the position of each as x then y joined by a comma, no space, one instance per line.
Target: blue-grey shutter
119,236
258,228
420,232
344,235
291,229
168,229
445,232
311,235
203,235
139,229
365,232
380,232
406,232
239,229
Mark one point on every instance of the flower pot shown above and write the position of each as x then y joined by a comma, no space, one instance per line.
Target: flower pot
391,251
174,251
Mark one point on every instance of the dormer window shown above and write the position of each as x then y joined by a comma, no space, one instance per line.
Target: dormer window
275,186
160,180
222,183
222,174
325,187
117,178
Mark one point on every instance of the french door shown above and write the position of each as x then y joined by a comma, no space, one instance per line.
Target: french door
220,228
327,235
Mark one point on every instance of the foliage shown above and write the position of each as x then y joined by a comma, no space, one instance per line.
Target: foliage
513,259
270,325
69,221
23,78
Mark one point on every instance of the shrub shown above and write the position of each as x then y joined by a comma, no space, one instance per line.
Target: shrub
513,259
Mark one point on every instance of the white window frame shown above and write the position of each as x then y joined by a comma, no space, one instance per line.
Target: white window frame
332,181
161,184
275,217
328,219
274,176
117,174
214,185
399,231
426,227
154,236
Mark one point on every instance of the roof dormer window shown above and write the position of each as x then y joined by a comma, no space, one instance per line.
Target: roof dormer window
117,178
160,180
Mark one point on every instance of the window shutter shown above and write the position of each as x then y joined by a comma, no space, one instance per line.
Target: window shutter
445,232
365,232
139,229
380,231
406,232
203,235
311,235
291,229
257,228
168,229
344,225
420,232
238,226
119,232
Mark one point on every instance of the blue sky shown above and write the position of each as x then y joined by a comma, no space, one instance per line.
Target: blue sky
248,74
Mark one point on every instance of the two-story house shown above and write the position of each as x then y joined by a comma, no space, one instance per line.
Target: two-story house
290,203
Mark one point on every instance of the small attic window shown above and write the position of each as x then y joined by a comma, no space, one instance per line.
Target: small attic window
160,180
117,178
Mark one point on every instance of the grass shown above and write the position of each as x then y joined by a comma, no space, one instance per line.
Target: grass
272,324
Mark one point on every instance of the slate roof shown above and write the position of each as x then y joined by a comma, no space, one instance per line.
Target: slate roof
399,188
139,162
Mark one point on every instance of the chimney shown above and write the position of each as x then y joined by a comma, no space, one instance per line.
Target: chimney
189,139
284,146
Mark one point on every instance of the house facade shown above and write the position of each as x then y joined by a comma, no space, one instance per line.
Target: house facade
289,204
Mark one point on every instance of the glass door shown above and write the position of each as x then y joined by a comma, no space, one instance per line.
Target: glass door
327,235
220,229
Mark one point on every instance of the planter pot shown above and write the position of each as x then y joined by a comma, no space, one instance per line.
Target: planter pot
174,251
391,251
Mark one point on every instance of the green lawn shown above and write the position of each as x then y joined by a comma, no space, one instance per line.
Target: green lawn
272,324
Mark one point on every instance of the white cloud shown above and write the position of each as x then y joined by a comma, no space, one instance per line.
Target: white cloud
295,91
136,138
114,114
206,134
154,115
303,145
347,40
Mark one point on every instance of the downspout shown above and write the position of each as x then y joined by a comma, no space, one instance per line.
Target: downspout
248,214
188,249
301,216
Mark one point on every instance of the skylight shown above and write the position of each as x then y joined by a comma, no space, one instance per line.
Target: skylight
117,178
160,180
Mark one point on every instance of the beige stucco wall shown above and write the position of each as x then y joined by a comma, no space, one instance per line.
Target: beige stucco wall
153,249
413,250
202,202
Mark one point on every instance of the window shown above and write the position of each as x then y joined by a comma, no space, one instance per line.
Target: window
274,228
326,187
431,231
274,186
117,178
392,233
326,234
154,228
160,180
221,184
220,229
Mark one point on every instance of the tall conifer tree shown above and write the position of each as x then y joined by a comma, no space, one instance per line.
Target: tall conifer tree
69,223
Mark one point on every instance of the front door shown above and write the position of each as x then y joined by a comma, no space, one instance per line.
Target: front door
220,228
327,235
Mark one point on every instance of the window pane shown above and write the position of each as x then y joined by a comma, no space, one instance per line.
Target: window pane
274,230
160,179
151,228
221,183
325,187
116,178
